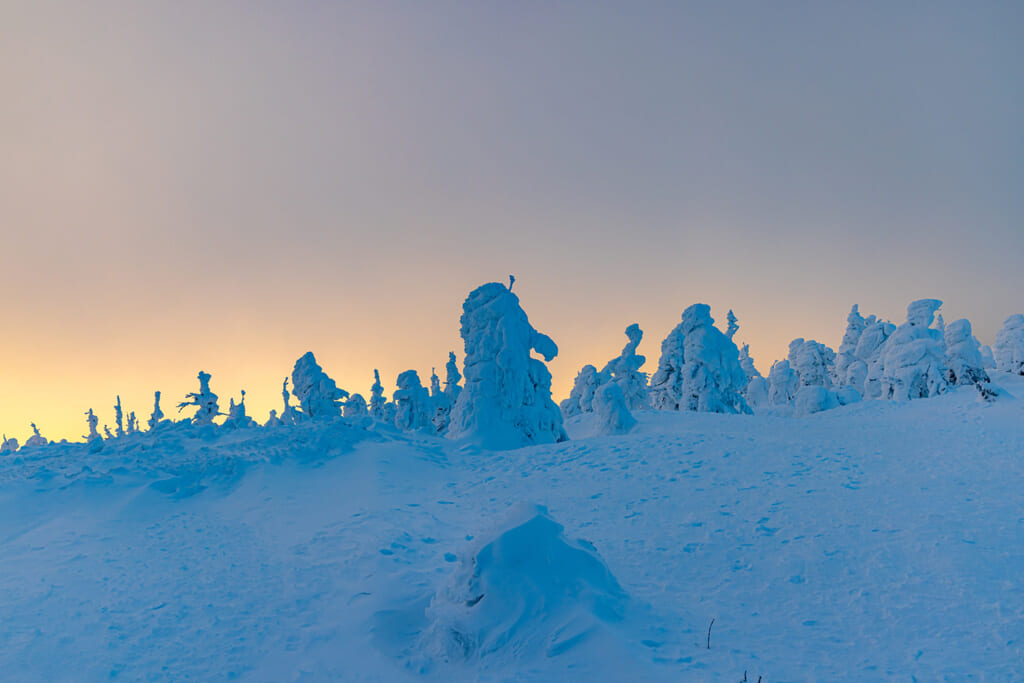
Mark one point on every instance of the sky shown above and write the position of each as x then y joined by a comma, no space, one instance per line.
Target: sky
190,186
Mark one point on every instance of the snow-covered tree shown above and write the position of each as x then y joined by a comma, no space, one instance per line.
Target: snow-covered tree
1009,346
613,414
319,397
290,414
157,415
964,363
93,422
625,371
205,400
36,439
412,402
847,356
581,398
132,424
355,408
377,399
9,446
783,383
699,368
913,360
506,401
237,419
733,325
389,413
119,417
756,392
452,377
870,349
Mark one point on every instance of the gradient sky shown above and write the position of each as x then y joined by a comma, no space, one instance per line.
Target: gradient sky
226,185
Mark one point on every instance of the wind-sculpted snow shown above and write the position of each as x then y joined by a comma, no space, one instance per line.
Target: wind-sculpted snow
876,541
506,401
525,590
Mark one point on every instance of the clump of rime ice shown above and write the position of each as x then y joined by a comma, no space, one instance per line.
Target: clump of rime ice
1009,346
290,414
847,355
699,368
581,398
814,363
783,383
319,396
205,400
964,362
506,401
412,402
36,439
870,349
625,371
452,377
913,360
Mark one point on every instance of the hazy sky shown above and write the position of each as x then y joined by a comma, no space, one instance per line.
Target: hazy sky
226,185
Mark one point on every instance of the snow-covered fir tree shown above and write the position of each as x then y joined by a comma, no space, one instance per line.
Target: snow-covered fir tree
625,371
988,357
506,401
756,392
869,351
1009,347
157,415
913,360
964,364
412,402
318,395
699,368
377,399
581,397
93,422
36,439
132,425
783,383
119,417
204,400
733,325
452,378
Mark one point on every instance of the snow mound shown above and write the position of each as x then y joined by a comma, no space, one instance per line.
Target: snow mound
526,591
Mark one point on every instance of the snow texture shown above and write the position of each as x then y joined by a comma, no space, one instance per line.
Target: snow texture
319,396
506,401
1009,346
699,369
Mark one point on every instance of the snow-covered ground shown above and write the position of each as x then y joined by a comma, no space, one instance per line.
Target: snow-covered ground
878,541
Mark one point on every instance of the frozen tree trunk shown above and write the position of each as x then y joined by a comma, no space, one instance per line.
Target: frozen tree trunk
506,401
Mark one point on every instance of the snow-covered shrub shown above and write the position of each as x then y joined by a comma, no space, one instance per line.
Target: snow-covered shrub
9,446
581,398
506,401
377,399
964,363
699,368
613,414
237,419
1009,346
205,400
319,396
625,371
913,360
36,439
157,415
355,408
412,402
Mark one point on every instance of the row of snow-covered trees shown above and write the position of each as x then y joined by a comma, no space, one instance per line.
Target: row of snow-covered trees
505,401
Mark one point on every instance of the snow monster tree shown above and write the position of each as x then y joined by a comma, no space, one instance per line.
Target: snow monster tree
506,400
699,368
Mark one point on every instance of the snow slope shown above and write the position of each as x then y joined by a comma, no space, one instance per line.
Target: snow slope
877,541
